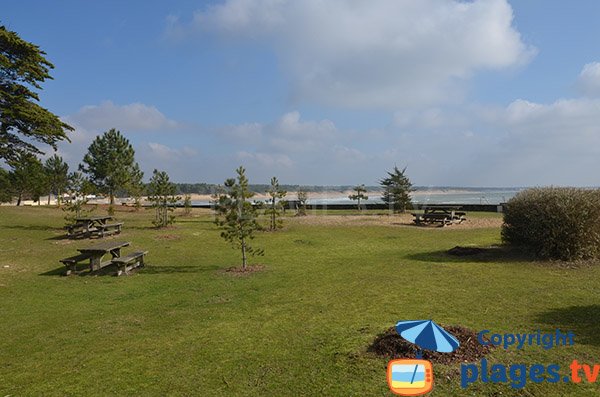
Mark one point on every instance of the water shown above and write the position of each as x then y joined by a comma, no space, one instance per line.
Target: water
436,196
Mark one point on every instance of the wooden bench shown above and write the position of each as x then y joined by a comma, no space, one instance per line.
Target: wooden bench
108,229
80,230
437,218
418,218
126,263
71,262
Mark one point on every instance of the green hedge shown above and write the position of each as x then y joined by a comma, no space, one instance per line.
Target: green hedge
558,223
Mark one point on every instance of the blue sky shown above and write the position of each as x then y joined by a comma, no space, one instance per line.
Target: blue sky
477,93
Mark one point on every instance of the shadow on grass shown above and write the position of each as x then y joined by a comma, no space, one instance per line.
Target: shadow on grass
582,320
82,270
474,254
43,228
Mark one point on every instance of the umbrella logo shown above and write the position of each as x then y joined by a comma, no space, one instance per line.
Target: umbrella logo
413,377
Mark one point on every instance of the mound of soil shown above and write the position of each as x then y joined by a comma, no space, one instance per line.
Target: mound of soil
391,345
465,251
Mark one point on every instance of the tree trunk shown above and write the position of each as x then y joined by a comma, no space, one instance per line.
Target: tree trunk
49,193
244,260
112,198
19,199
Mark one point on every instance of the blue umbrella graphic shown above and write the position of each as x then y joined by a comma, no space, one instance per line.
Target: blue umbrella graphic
427,335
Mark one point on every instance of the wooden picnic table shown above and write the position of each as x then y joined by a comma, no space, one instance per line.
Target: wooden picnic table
444,214
97,226
97,251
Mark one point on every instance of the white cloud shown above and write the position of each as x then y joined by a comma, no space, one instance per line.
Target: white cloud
266,160
166,153
589,79
366,55
132,117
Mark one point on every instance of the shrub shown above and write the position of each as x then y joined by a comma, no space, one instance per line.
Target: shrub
557,223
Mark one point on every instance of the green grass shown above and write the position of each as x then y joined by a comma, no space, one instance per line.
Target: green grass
181,327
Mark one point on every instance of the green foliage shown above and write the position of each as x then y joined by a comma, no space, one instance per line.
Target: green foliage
23,122
136,186
5,187
110,163
237,217
57,172
79,187
396,190
559,223
359,195
27,178
275,205
162,194
187,205
302,197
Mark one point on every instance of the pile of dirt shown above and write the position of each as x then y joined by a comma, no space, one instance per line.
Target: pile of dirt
391,345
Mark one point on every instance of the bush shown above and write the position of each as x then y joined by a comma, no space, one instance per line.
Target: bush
557,223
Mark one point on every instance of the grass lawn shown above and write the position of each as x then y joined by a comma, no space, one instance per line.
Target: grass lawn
301,327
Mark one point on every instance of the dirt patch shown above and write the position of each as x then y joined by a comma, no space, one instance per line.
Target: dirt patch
389,220
238,271
391,345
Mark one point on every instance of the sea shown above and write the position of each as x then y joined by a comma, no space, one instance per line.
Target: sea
434,195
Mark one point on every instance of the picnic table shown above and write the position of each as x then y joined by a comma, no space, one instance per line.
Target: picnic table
93,226
96,252
443,214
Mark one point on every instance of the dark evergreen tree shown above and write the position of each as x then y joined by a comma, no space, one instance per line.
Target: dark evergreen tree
57,172
27,177
5,187
396,190
23,122
110,163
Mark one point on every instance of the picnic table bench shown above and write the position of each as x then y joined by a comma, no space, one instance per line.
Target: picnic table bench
95,226
444,215
94,254
126,263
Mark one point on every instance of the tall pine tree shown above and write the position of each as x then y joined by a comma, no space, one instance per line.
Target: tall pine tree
57,172
110,163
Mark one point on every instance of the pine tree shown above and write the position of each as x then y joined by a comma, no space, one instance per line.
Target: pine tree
79,187
360,195
237,217
187,205
136,186
5,187
162,192
27,178
276,194
396,190
23,122
110,163
57,172
302,196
